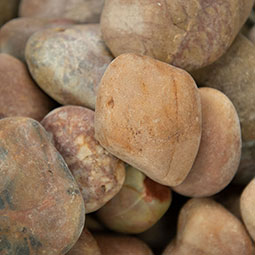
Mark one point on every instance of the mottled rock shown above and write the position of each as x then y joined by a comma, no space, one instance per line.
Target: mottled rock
84,11
188,34
139,205
99,175
220,147
86,245
19,95
41,207
206,227
15,33
69,63
148,114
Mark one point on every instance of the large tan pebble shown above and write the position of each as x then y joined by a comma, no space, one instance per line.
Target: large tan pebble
15,33
247,204
99,175
220,148
8,10
84,11
233,74
41,207
140,203
148,114
86,245
68,64
207,228
188,34
121,245
19,95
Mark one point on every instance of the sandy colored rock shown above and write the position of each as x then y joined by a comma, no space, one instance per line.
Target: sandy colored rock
83,11
220,148
148,114
8,10
99,175
140,203
41,207
233,74
121,245
188,34
15,33
19,95
247,204
207,228
86,245
68,63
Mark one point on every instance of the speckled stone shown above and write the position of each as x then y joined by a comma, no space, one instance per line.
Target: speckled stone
99,175
68,63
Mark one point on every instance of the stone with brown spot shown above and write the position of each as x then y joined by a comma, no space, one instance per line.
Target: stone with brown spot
188,34
69,63
139,205
99,175
15,33
41,207
19,94
82,11
220,148
206,227
148,114
86,245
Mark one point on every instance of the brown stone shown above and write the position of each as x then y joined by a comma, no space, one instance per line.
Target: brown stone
86,245
122,245
41,207
188,34
234,75
206,227
220,148
19,95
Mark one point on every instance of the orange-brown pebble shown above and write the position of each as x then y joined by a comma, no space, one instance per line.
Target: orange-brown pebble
220,148
19,95
148,114
207,228
41,207
86,245
99,175
121,245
